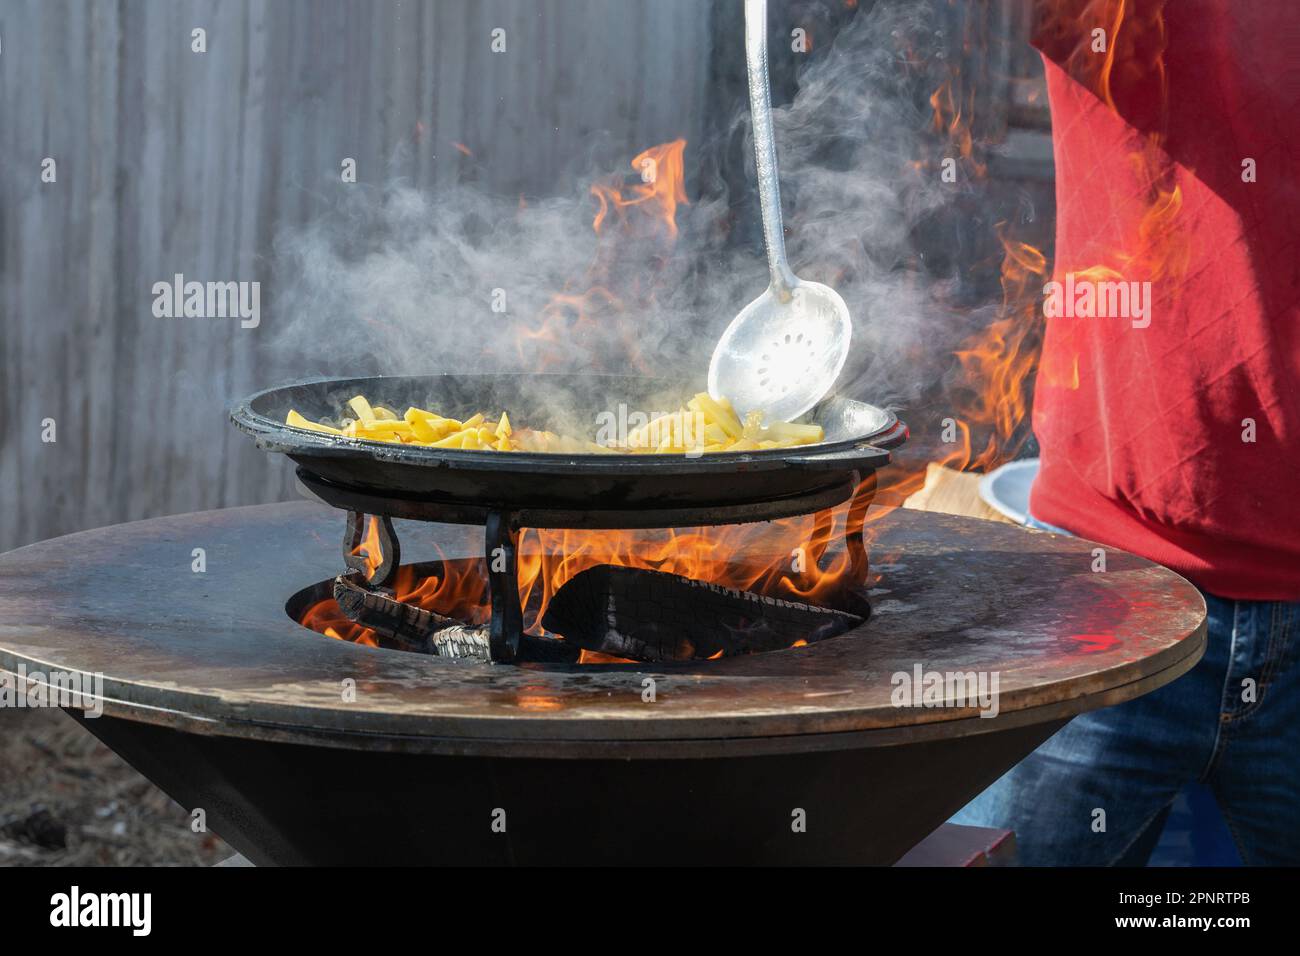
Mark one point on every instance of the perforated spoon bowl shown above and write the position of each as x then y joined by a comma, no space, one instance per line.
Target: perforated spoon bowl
782,353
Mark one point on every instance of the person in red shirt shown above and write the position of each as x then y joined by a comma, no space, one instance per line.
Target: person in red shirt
1174,431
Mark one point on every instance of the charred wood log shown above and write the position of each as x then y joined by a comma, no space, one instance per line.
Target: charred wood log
652,616
402,626
407,627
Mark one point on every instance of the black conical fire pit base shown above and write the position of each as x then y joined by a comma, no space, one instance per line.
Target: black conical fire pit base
290,804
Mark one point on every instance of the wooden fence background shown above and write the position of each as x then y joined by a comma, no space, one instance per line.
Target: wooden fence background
170,161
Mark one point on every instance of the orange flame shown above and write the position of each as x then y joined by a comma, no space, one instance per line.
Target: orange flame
795,558
953,108
369,548
662,188
998,364
644,211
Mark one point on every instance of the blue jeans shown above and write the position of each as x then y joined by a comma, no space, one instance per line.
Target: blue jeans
1131,760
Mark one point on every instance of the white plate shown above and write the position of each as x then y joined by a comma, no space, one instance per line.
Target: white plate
1006,489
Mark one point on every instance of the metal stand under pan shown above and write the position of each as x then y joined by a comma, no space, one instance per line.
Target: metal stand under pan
502,526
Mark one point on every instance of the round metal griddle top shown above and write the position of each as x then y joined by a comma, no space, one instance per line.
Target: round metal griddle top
215,652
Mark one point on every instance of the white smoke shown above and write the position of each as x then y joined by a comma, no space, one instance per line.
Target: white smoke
397,281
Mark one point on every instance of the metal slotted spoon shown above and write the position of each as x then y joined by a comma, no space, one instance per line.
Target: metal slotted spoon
782,353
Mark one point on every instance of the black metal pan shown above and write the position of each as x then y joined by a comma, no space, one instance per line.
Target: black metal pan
856,442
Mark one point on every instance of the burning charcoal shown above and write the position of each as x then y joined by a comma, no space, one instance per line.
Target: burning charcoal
652,616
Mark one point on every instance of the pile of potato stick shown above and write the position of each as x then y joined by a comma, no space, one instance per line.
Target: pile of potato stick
703,425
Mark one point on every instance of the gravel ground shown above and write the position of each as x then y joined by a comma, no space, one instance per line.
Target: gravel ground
67,800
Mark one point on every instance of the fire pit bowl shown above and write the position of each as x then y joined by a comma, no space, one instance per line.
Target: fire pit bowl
301,749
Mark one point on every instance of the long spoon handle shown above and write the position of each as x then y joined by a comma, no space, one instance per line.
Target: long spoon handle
760,111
